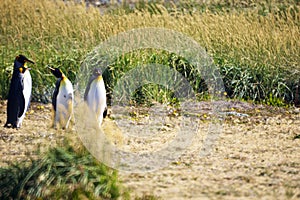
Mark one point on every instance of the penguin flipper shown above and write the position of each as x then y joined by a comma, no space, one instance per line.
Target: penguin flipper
21,99
105,112
55,93
87,89
21,106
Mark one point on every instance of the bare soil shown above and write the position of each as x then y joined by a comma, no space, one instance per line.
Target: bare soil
255,157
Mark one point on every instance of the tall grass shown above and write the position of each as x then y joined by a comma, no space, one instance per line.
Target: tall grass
61,173
254,43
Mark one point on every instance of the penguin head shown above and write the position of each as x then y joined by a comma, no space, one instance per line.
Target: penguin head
22,59
20,63
56,72
97,72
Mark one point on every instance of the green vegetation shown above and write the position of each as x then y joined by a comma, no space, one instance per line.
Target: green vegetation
61,173
255,44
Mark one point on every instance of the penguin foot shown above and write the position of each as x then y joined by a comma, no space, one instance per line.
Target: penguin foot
15,126
9,125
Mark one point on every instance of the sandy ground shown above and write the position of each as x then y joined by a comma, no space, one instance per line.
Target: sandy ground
254,157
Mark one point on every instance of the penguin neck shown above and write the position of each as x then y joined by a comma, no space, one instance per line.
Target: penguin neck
17,72
99,78
63,79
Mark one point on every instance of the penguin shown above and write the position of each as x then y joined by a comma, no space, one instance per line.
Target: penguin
95,95
19,92
62,99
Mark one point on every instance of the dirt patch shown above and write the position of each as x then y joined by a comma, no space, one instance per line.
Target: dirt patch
256,155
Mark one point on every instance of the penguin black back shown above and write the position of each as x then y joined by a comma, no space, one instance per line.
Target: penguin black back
16,100
59,75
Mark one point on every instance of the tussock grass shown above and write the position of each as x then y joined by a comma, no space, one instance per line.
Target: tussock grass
61,173
256,39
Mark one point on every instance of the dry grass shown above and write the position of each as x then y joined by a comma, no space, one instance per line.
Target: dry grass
263,34
255,157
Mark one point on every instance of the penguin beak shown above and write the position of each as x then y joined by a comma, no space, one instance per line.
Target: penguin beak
52,69
27,60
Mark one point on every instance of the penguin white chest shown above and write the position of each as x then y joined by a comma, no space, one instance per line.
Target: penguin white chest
65,92
27,87
64,104
96,98
27,81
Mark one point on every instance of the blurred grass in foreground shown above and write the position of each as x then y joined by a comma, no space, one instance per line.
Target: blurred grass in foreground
61,173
